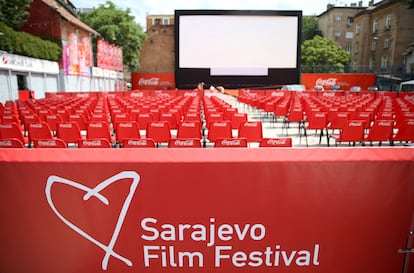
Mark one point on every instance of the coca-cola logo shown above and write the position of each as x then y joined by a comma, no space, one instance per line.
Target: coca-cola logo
234,142
186,142
151,81
326,82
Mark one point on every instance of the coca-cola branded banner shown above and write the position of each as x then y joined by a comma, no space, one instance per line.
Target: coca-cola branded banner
187,210
345,81
153,81
77,55
109,56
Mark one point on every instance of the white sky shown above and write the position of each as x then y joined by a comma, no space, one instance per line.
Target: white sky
141,8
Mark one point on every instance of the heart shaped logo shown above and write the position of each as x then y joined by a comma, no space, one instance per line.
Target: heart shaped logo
96,192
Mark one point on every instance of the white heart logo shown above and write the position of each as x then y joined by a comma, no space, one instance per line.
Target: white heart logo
95,192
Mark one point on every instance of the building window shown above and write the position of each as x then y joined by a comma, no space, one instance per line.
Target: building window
166,21
375,26
349,20
337,34
338,18
386,43
348,47
384,62
374,45
388,20
371,63
356,48
156,21
357,28
355,65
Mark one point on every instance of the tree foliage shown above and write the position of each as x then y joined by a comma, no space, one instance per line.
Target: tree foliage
321,53
310,27
14,13
119,28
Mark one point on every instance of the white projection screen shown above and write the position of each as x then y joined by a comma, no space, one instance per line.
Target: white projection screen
237,49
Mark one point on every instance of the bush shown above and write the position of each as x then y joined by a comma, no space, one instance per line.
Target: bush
22,43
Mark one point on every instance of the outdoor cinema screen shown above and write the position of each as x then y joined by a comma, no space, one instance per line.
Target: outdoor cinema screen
236,49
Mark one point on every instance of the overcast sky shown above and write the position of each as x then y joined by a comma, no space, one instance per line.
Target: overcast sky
141,8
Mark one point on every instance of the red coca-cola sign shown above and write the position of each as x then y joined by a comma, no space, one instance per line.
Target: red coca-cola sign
153,81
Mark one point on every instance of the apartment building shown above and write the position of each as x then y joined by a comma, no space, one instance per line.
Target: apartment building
336,23
384,34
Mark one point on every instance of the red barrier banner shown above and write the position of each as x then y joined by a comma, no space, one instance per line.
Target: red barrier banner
345,81
211,210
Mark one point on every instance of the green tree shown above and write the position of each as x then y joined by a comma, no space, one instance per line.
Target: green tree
119,28
323,55
14,13
310,27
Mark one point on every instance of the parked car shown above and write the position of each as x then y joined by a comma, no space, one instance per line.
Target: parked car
355,88
294,87
318,88
336,87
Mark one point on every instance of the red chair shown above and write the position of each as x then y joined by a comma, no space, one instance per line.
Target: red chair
192,116
353,132
39,130
138,143
11,143
230,143
295,115
171,118
27,119
119,117
94,143
237,119
405,131
252,131
219,130
99,129
143,119
339,121
158,131
49,143
52,120
12,131
381,130
129,130
317,121
184,143
189,129
69,132
276,142
80,119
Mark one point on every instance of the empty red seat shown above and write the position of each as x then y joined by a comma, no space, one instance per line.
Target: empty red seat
276,142
184,143
230,143
94,143
49,143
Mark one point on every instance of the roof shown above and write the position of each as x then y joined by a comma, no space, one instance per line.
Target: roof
69,17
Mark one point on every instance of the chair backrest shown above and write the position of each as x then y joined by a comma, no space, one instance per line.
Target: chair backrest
295,115
128,129
238,118
159,131
214,117
39,130
184,143
367,117
189,129
69,132
276,142
143,119
192,116
252,131
94,143
339,121
11,143
171,118
230,143
52,120
10,130
98,129
381,130
352,132
137,143
27,119
63,113
120,117
405,131
317,120
50,143
219,129
80,119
